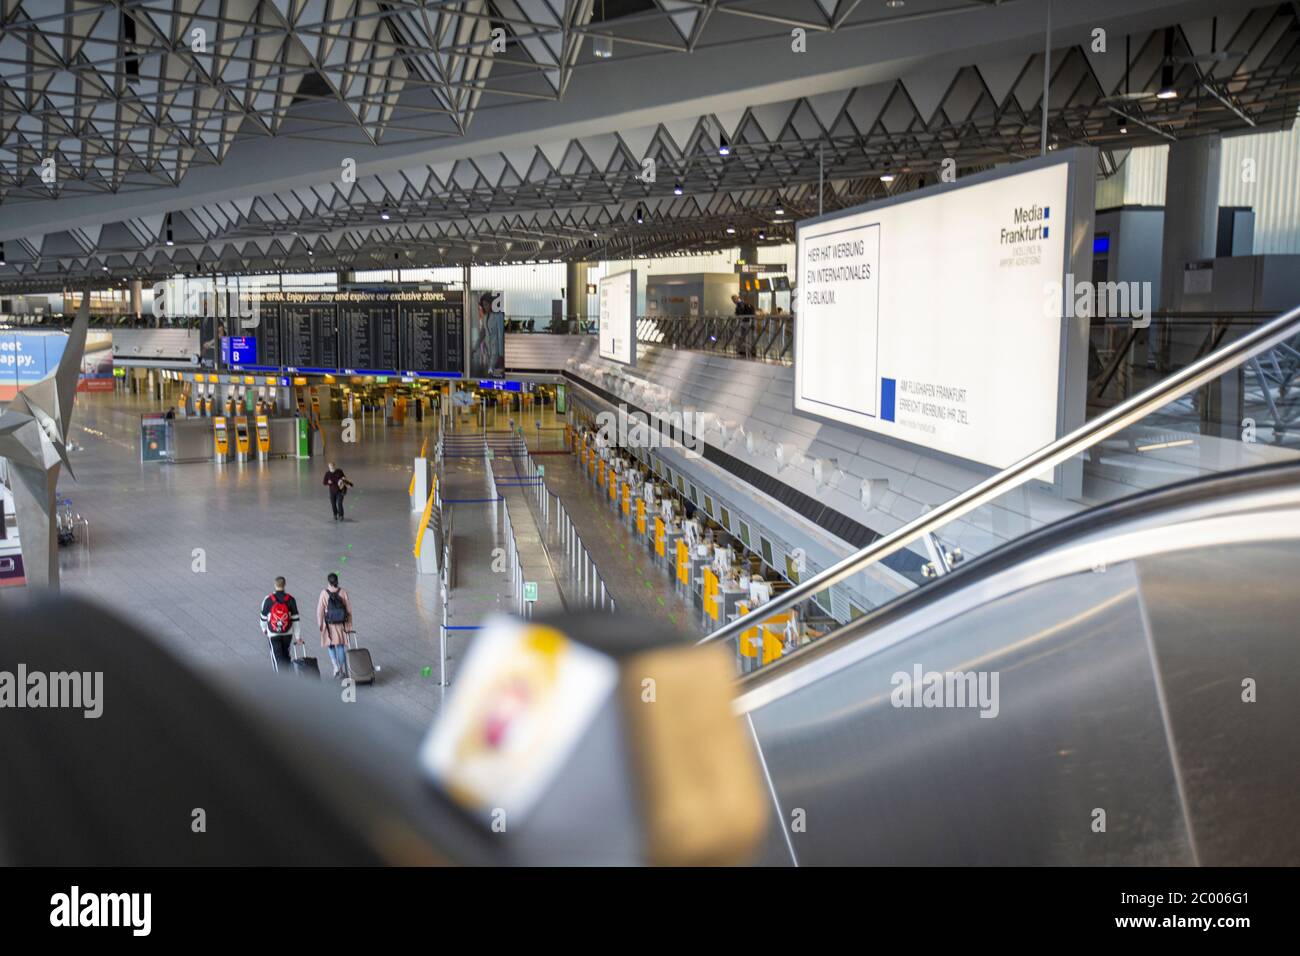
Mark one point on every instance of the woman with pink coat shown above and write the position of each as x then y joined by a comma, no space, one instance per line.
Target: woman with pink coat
334,618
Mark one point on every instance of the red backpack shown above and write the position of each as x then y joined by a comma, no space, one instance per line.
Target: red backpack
279,621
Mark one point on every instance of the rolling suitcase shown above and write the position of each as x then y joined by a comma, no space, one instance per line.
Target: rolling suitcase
303,666
360,667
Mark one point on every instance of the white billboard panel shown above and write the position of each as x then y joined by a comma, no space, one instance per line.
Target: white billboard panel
929,320
618,317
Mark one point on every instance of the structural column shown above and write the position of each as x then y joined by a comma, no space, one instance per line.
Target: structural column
1190,230
1191,216
575,284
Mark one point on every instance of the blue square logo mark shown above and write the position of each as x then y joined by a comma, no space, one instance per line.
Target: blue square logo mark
1045,232
1047,212
887,388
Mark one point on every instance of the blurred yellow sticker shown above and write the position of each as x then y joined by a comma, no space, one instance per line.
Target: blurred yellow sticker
523,699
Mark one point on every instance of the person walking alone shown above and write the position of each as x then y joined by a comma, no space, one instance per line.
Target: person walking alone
338,485
334,618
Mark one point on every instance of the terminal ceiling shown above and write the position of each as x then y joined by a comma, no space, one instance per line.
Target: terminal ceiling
219,136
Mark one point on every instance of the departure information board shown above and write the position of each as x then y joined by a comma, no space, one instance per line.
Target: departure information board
421,338
385,333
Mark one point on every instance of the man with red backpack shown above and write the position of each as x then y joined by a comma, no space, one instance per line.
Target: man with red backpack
280,621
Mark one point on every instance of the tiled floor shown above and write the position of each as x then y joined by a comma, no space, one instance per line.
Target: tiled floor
189,551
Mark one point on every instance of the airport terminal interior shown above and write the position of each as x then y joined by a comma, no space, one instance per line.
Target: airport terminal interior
674,432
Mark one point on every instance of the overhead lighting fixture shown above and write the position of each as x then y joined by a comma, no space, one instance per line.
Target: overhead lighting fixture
677,189
762,234
1167,91
886,177
640,214
779,211
602,46
383,214
731,230
894,4
169,239
2,253
724,148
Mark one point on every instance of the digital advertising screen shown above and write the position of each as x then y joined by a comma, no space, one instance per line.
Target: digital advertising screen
618,317
929,320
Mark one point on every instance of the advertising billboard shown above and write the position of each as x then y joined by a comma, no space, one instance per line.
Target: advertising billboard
27,357
618,317
929,319
487,354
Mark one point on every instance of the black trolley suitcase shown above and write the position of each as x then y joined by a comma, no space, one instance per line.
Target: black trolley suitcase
361,668
303,666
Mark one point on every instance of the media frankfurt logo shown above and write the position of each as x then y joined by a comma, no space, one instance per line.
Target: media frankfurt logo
1029,224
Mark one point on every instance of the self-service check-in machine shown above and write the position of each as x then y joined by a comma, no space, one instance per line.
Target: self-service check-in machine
220,440
242,438
263,437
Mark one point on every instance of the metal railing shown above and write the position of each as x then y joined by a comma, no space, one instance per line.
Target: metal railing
762,338
1200,372
583,572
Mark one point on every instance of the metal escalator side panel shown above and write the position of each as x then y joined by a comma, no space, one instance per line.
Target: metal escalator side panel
880,781
1228,660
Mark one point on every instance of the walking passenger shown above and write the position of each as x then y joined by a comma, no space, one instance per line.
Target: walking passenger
280,620
338,485
334,618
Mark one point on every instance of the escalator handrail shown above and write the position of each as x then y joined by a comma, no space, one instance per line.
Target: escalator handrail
1205,369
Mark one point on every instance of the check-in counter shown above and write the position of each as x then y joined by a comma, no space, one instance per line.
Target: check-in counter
284,438
729,599
191,439
671,538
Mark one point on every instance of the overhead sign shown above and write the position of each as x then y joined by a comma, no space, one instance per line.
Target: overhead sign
618,317
924,319
239,350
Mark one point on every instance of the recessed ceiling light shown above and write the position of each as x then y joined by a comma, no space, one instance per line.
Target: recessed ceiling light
383,214
886,177
731,230
894,4
724,148
677,189
779,211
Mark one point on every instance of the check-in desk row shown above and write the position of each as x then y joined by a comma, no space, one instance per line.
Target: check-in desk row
243,438
693,574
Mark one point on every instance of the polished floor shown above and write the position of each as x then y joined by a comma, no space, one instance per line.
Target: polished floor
189,551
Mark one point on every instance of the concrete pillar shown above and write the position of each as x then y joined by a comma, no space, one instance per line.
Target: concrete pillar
1191,219
137,297
575,285
35,502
